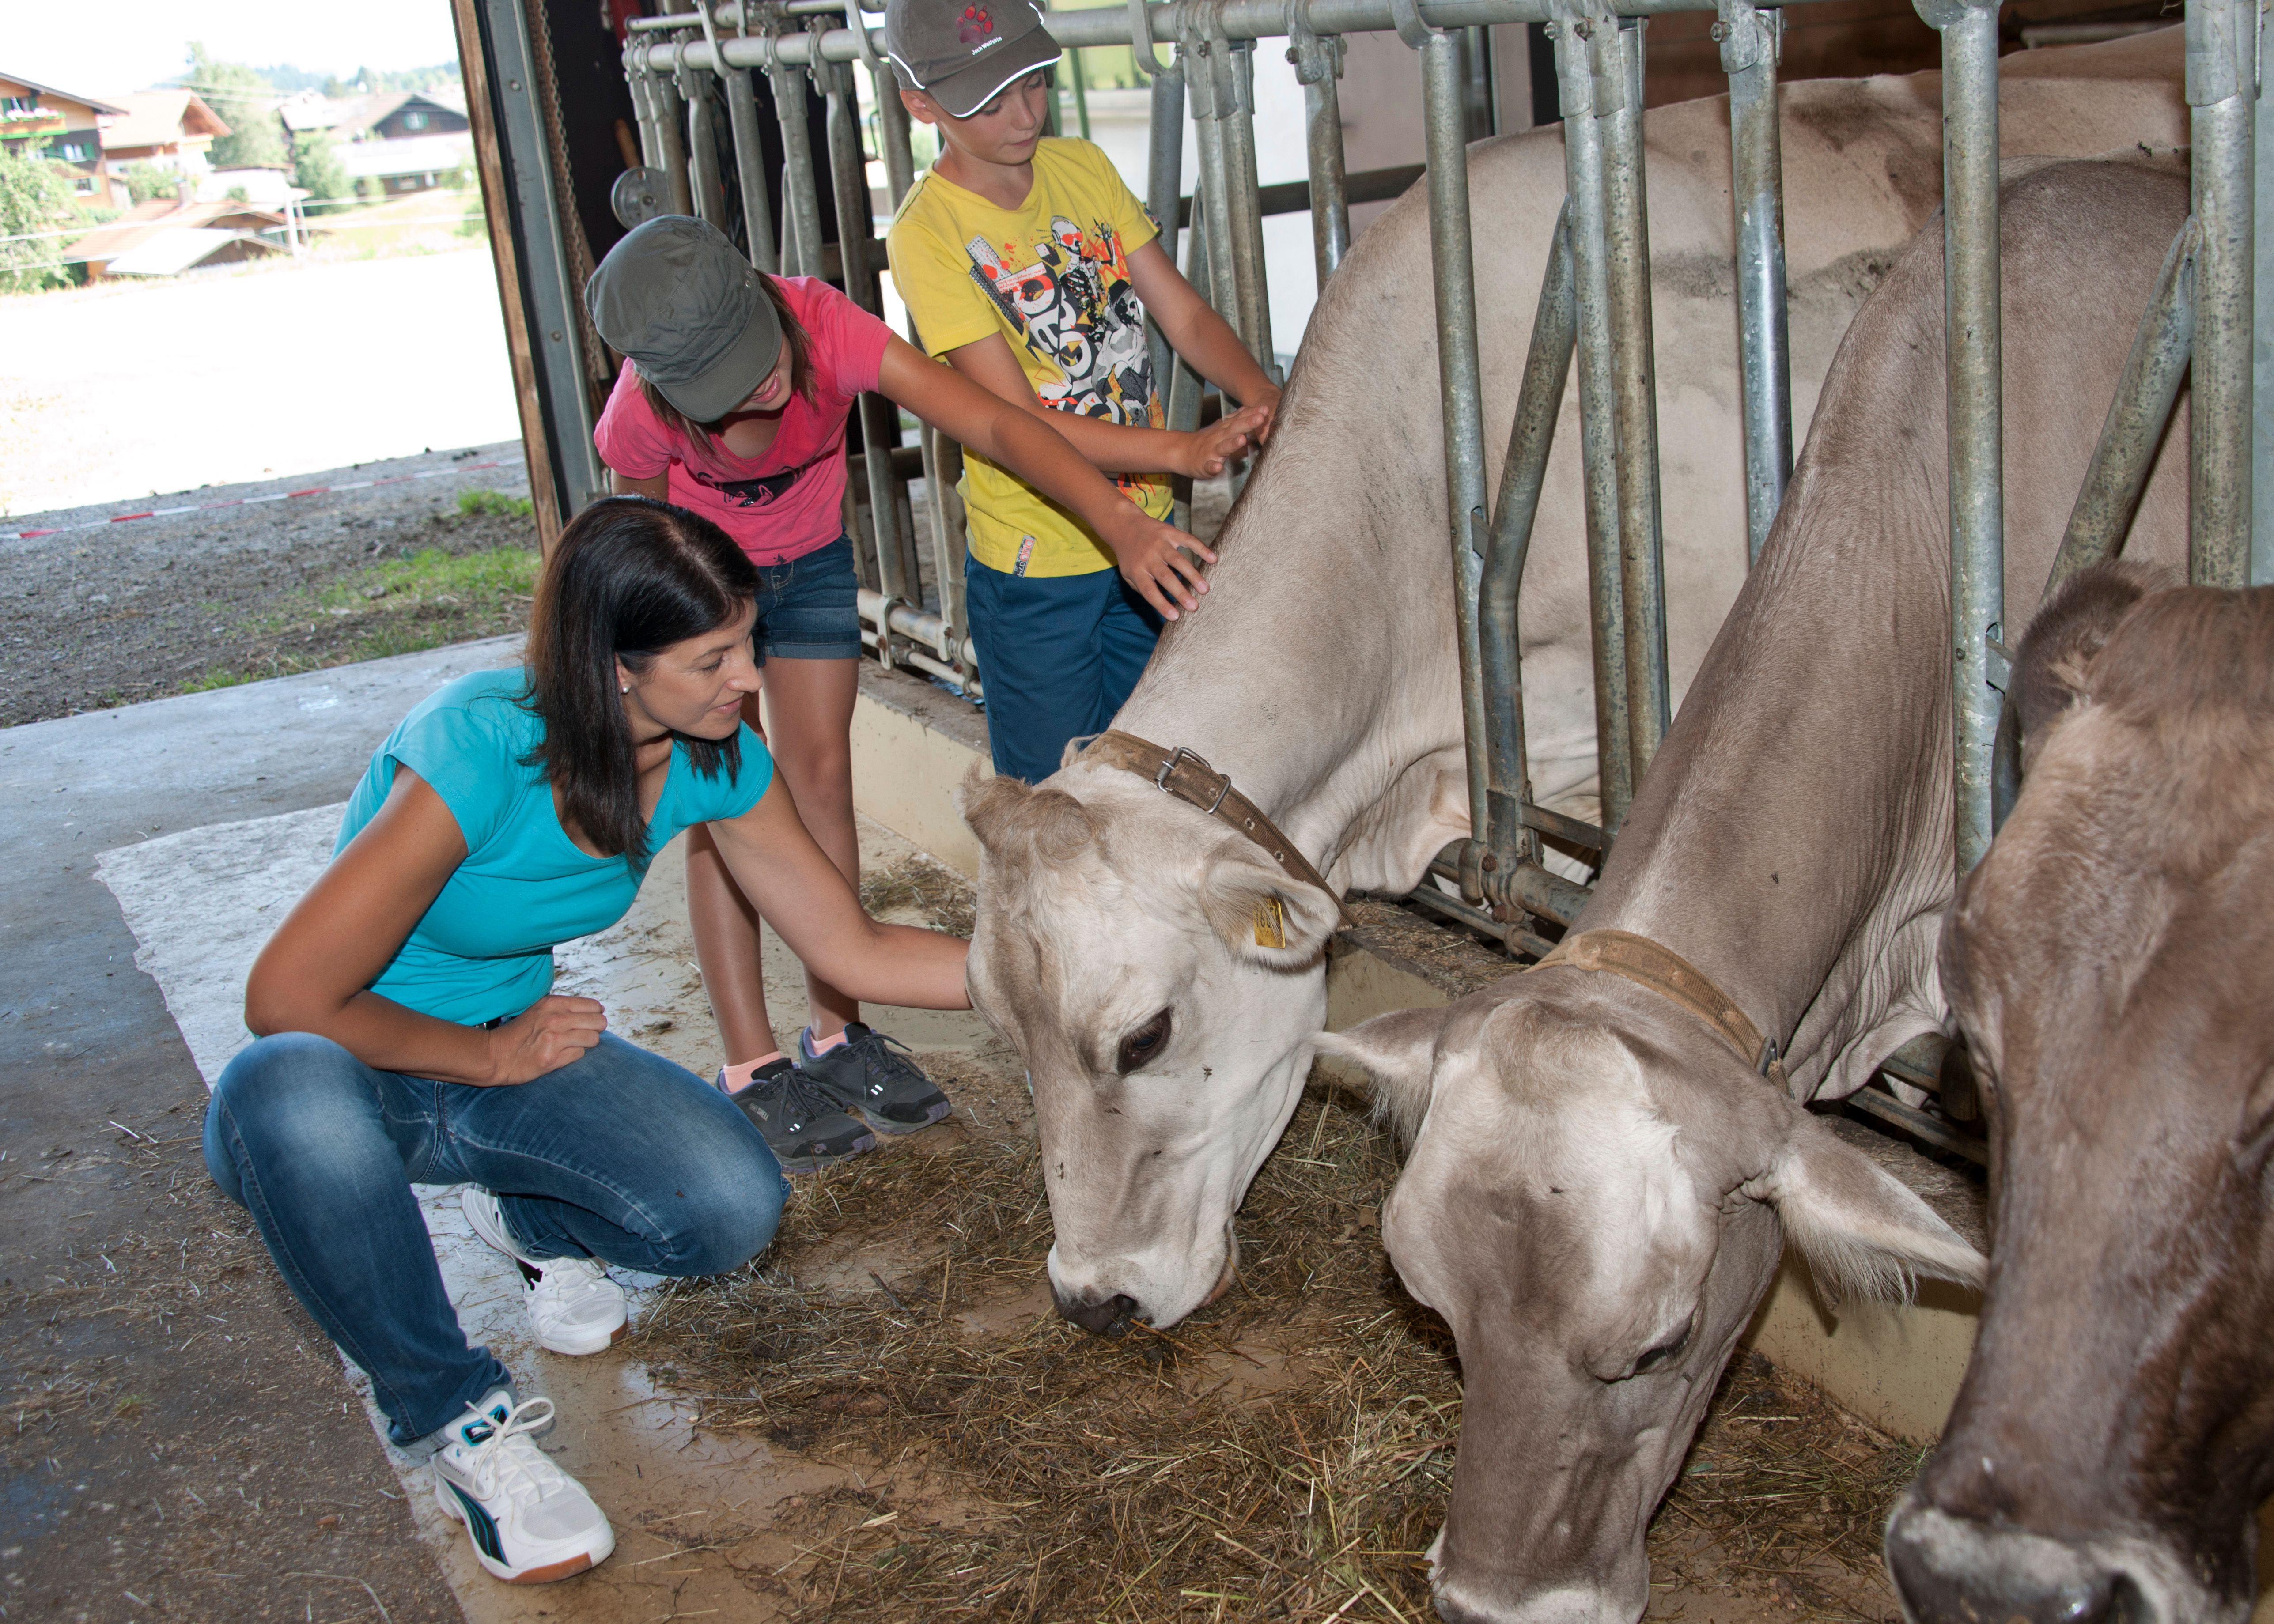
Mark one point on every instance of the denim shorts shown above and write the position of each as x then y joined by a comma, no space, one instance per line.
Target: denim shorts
808,608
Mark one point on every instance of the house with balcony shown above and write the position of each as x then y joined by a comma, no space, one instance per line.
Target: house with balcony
64,127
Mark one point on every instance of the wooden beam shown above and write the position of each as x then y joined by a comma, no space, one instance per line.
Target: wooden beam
489,163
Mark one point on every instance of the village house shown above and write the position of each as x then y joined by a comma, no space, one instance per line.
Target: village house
404,141
174,129
167,236
66,129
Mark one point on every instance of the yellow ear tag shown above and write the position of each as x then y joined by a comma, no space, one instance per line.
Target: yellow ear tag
1271,923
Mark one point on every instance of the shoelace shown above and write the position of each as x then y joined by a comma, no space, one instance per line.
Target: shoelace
507,1454
800,1097
573,1277
872,1049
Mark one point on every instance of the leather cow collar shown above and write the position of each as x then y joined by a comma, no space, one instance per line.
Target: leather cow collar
1674,978
1188,776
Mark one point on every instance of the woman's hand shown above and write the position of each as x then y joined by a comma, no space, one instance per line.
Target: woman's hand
547,1036
1157,559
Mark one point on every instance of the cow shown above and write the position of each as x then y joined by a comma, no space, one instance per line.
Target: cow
1601,1179
2112,964
1115,923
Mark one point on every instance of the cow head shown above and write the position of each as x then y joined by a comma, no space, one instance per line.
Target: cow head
1165,1034
1592,1201
2111,962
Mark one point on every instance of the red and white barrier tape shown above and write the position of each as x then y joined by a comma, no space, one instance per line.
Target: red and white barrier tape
247,501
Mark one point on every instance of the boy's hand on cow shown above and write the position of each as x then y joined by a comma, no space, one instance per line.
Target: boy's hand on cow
1157,559
1266,406
544,1037
1207,450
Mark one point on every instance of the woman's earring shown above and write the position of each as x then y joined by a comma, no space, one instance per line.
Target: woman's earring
623,687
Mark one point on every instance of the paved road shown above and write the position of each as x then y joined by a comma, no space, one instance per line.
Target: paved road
179,1441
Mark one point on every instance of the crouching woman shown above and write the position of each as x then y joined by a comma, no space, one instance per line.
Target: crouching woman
410,1033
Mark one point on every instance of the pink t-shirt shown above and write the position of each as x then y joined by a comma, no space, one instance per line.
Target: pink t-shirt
790,501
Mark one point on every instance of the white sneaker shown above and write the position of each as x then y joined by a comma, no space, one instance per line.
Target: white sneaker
573,1304
531,1523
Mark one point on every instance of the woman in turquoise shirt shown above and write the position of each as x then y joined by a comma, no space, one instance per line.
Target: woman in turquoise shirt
410,1032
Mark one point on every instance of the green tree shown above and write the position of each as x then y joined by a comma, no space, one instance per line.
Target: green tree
35,200
247,104
145,181
316,166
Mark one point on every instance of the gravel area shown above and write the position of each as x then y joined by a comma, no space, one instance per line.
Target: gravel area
96,617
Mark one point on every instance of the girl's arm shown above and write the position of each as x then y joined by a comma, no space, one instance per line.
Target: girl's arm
798,890
1026,440
1204,338
313,973
659,487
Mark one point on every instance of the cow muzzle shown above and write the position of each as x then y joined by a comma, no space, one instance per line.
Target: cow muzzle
1099,1317
1954,1570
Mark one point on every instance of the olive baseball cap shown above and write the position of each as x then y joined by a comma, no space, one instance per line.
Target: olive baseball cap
678,299
962,53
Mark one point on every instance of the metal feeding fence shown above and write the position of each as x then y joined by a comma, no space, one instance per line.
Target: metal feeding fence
1594,307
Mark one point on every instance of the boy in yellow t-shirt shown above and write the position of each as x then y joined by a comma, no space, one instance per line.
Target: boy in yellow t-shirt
1029,267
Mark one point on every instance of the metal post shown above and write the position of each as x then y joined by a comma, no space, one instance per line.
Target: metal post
1165,180
1642,568
1184,387
1970,269
801,248
2137,416
670,131
1578,83
892,135
1546,365
1318,60
1751,41
702,177
2222,95
638,79
750,168
848,176
1250,279
1445,115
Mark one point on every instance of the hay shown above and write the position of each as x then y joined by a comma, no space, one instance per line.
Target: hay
918,886
1284,1453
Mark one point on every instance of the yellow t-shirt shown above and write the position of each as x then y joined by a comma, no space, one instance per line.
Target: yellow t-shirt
1053,277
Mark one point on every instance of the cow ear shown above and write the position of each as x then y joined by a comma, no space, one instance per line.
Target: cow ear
1000,810
1263,914
1399,1051
1861,1228
2052,674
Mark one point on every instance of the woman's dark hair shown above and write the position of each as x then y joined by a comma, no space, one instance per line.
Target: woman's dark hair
629,577
801,374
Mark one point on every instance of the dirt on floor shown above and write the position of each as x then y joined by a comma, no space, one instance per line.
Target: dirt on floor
122,612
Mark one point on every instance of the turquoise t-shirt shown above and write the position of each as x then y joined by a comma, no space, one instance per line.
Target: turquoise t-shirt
485,947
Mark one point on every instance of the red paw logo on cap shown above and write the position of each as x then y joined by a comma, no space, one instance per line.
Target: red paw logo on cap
974,25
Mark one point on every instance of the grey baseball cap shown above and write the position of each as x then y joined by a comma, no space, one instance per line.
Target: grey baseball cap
678,299
962,53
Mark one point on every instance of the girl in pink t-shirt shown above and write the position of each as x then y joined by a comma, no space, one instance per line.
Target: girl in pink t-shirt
732,403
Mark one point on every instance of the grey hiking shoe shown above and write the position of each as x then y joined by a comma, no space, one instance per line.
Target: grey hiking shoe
862,1075
801,1123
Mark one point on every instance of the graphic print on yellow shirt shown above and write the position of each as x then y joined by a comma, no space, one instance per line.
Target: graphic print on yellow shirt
1053,277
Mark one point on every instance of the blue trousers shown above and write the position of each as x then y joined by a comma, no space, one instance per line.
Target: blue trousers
1058,655
620,1155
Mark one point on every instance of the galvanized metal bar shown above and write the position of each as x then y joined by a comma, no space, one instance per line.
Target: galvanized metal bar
1164,184
2222,96
1752,41
671,131
638,79
848,180
1642,567
802,248
2262,371
1318,62
1509,838
1251,276
1577,82
751,169
2137,416
1185,387
1453,268
703,180
893,135
1977,427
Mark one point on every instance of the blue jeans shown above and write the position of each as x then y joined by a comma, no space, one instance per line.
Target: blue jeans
1058,655
620,1155
808,606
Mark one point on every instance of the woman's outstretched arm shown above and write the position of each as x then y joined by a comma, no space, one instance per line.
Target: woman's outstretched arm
799,892
314,973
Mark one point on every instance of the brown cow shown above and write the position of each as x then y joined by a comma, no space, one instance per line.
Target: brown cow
2111,962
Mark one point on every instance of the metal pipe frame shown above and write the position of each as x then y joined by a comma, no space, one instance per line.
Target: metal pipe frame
2222,96
1580,78
1318,62
1250,280
1164,184
670,129
1509,841
637,79
1634,409
802,233
1751,42
750,168
702,176
1970,292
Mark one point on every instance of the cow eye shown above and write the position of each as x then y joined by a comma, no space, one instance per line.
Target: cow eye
1141,1047
1667,1349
